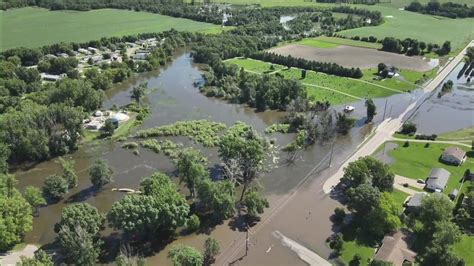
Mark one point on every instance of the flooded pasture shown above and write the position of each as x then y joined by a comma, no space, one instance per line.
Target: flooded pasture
173,97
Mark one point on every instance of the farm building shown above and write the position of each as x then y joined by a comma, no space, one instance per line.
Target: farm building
437,179
395,249
453,155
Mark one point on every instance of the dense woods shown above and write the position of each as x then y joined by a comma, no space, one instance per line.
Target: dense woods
447,9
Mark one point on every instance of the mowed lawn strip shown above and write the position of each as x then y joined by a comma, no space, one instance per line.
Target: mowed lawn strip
465,133
34,27
416,162
333,42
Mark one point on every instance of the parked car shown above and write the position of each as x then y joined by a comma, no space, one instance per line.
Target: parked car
420,181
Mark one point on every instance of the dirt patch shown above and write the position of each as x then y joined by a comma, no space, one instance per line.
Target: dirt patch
350,56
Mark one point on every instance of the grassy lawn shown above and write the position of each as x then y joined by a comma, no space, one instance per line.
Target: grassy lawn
405,82
345,85
351,247
464,249
254,65
465,133
333,42
33,27
399,197
122,131
416,162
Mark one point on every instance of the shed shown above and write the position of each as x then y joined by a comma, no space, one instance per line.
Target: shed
453,194
437,179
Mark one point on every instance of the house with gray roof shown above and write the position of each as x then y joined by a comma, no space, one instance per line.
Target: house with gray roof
415,201
453,155
437,179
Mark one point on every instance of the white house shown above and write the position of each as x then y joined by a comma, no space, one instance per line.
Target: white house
453,155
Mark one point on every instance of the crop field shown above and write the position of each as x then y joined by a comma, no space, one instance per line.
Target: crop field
33,27
333,42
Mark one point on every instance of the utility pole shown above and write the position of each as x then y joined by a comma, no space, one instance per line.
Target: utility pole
384,109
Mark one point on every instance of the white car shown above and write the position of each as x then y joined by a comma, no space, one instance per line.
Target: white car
349,108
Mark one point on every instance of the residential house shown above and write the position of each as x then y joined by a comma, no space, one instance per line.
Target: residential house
437,179
415,201
395,249
453,155
50,77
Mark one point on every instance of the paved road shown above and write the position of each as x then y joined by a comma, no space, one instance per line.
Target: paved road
389,126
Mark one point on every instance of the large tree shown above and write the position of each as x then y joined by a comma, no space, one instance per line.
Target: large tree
159,208
34,197
15,213
138,92
79,233
254,203
384,218
191,168
363,199
100,173
371,110
368,169
68,172
55,186
182,255
439,251
218,197
435,208
243,152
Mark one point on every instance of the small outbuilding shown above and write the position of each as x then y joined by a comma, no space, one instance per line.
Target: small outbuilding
437,179
453,155
453,194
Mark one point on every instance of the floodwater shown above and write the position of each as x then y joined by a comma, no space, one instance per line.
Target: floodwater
173,97
453,111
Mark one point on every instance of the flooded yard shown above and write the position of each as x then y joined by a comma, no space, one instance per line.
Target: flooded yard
172,97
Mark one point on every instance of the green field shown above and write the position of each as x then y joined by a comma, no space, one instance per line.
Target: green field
416,162
33,27
333,42
403,24
336,90
464,249
462,134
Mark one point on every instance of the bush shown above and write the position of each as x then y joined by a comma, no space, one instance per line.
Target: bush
408,128
338,216
193,223
336,244
406,144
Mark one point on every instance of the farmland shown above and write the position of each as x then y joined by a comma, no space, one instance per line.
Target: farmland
332,42
33,27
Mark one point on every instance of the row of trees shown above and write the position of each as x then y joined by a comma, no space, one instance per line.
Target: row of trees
411,47
446,9
290,61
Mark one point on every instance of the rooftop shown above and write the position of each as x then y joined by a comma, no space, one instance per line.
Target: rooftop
395,249
438,177
456,152
415,200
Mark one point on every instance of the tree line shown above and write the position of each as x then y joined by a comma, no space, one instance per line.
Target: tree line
411,47
324,67
447,9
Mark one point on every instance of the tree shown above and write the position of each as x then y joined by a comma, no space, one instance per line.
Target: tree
15,216
4,155
138,92
434,208
303,73
211,250
338,216
439,251
254,203
371,110
191,168
109,127
79,246
84,215
182,255
381,67
193,223
100,173
55,186
344,123
217,196
244,151
384,218
34,197
368,169
68,172
41,258
336,244
159,208
363,199
408,128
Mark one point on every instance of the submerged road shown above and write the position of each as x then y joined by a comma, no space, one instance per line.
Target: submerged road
389,126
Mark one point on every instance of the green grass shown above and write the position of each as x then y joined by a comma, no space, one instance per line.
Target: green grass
254,65
340,84
404,24
351,247
33,27
333,42
122,131
464,249
399,197
465,133
416,162
406,81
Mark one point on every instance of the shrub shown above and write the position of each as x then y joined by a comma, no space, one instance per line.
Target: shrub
339,215
193,223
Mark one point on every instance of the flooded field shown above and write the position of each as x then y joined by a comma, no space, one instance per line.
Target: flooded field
173,97
453,111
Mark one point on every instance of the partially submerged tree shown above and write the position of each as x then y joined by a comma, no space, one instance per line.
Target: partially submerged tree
68,172
55,186
211,250
100,173
182,255
138,92
34,197
254,203
191,168
371,110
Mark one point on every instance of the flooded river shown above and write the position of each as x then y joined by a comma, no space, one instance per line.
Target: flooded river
173,97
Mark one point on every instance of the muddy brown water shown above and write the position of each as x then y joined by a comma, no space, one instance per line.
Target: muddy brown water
453,111
173,97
